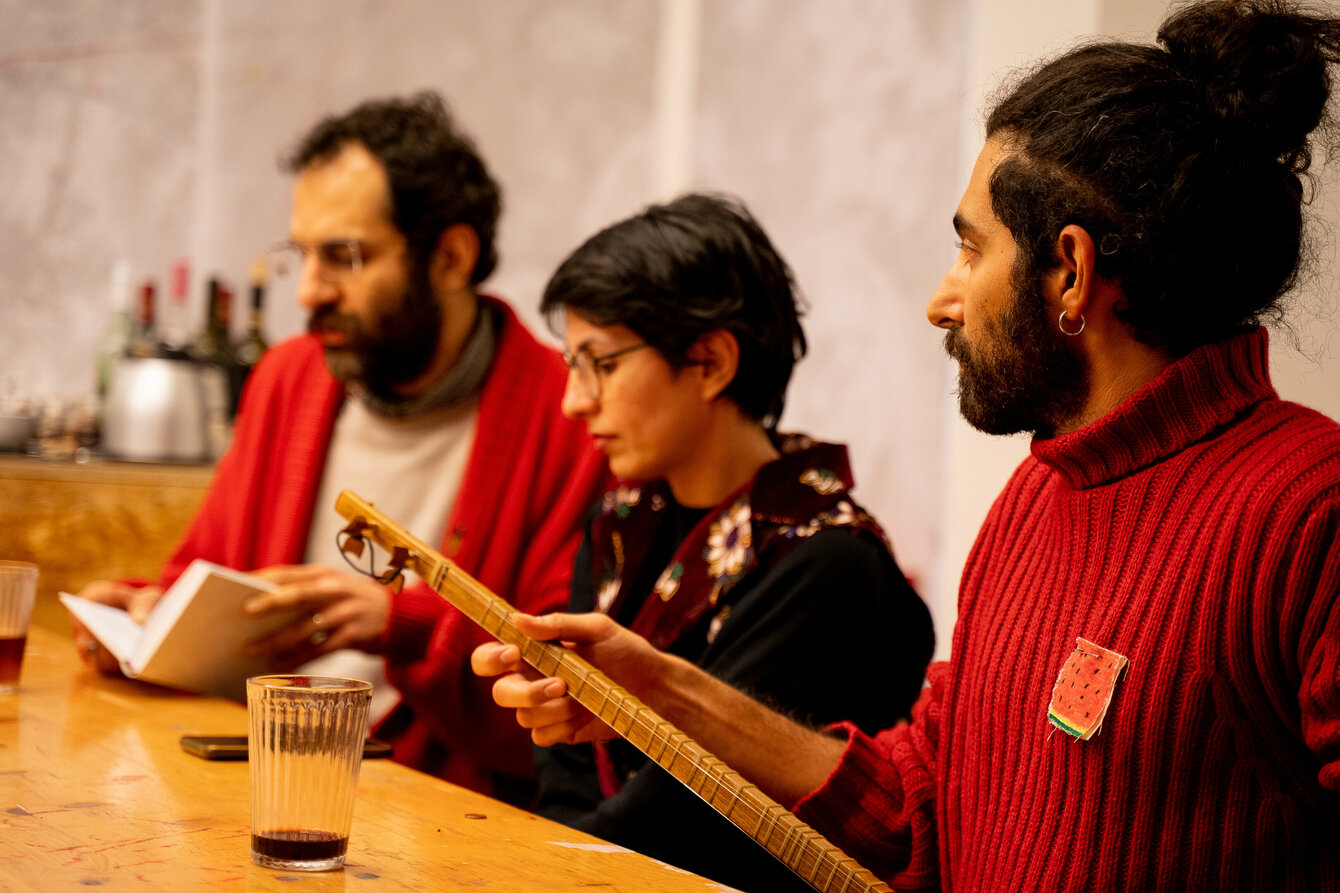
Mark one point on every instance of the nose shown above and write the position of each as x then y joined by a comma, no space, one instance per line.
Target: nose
577,403
945,309
314,290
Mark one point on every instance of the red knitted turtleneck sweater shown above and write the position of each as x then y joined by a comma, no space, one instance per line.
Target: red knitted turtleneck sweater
1195,530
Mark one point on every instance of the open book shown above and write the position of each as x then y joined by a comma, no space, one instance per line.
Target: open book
194,637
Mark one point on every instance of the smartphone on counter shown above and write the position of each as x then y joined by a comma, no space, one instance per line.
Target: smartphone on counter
234,747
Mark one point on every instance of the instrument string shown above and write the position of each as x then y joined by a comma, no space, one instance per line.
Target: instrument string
644,728
800,847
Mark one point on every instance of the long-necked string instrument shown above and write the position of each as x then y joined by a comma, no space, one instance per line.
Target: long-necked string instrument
799,847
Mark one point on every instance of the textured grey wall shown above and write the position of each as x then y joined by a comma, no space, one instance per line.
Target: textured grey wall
839,122
151,131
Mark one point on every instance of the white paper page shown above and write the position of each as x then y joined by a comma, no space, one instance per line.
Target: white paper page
170,607
195,636
199,642
111,626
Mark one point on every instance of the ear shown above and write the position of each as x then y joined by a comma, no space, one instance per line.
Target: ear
1073,285
454,259
716,359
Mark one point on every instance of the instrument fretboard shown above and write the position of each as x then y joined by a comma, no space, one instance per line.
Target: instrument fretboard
799,847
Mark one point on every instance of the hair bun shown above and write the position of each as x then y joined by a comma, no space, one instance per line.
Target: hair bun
1262,69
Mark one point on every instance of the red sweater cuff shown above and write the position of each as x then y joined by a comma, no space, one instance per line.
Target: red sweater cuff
811,807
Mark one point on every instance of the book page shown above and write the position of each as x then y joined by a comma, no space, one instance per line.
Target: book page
195,636
111,626
201,645
164,615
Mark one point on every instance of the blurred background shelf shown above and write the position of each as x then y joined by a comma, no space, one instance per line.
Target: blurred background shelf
101,520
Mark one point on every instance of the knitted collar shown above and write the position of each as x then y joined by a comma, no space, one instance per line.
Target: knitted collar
462,382
1189,401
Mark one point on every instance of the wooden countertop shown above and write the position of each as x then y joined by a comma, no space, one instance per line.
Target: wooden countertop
100,521
96,791
148,474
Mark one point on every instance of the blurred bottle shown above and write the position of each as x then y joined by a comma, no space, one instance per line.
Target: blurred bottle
116,335
67,429
144,330
248,351
211,345
214,353
175,341
46,442
83,424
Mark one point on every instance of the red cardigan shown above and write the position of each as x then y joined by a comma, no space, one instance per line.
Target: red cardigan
1196,531
529,480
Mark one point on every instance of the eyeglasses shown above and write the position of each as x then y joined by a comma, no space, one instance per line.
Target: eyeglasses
591,369
336,259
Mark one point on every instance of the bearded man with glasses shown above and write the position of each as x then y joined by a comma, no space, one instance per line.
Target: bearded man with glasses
420,394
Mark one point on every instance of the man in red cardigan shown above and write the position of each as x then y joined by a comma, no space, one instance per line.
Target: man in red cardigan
421,395
1144,688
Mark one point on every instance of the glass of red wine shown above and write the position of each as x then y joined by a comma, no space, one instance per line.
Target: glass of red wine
305,750
18,591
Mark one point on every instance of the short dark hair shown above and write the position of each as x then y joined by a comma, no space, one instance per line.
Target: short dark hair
1184,162
679,270
436,176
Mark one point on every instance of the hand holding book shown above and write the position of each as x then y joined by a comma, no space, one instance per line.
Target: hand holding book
194,638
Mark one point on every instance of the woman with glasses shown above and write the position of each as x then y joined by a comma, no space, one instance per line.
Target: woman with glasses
727,543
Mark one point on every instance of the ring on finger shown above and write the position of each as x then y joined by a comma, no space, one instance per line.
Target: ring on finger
318,620
318,638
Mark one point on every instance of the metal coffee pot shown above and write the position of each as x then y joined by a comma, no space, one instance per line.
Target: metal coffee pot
158,410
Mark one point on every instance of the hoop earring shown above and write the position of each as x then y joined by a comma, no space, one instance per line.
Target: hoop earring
1060,324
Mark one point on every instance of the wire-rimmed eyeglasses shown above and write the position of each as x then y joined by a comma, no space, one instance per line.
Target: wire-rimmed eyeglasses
592,369
335,258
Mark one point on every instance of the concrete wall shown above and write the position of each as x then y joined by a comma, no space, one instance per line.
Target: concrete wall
151,131
1304,365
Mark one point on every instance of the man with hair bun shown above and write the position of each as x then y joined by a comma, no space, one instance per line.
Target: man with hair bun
1144,687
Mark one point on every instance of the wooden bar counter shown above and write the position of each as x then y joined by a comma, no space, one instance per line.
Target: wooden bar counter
100,521
95,791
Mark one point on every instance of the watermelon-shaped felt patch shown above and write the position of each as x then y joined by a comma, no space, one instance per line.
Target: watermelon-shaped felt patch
1084,689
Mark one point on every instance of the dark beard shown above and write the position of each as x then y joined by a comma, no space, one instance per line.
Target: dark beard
396,350
1021,374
